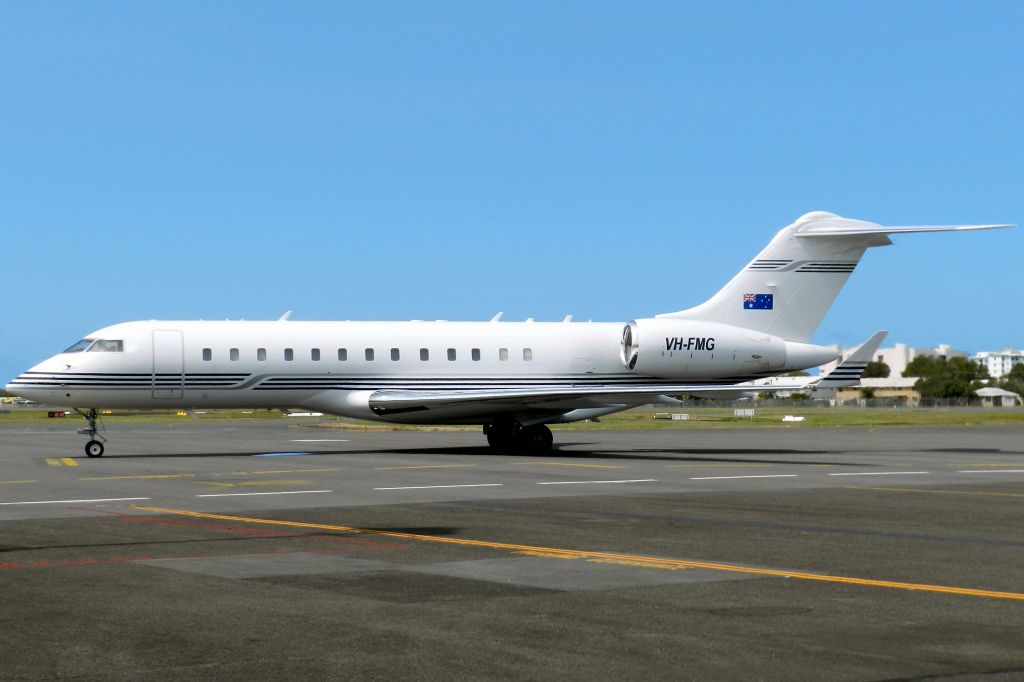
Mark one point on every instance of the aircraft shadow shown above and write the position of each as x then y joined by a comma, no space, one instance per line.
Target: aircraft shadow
706,455
975,451
143,543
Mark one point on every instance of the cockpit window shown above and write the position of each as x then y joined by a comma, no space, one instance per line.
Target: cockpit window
106,346
80,346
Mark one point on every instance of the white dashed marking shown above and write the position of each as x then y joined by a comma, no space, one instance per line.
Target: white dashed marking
106,499
715,478
631,480
283,492
881,473
991,471
461,485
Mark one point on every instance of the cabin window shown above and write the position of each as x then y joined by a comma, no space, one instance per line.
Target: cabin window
342,354
314,354
261,354
475,354
451,355
503,354
424,354
207,355
233,354
289,354
527,354
106,346
80,346
395,354
369,355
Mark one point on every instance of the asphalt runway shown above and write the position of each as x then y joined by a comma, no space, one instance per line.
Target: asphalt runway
257,550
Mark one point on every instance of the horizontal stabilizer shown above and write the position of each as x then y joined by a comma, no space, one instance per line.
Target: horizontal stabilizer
787,289
824,229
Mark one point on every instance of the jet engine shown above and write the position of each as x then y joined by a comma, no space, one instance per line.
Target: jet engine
691,350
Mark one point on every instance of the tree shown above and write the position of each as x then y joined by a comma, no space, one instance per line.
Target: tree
867,393
942,378
1014,381
876,370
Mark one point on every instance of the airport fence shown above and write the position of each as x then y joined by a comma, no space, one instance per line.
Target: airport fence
858,403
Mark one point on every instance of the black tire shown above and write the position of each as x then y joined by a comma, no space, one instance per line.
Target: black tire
94,448
536,438
499,440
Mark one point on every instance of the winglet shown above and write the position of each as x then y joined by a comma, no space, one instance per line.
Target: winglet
849,371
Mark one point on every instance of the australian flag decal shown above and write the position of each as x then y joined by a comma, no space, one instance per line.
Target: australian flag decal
758,301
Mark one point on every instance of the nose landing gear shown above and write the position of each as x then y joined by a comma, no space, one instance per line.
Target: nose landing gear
94,448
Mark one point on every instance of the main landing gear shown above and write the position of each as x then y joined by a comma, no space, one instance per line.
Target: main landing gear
94,448
509,435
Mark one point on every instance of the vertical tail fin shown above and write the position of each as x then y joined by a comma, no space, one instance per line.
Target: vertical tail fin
789,287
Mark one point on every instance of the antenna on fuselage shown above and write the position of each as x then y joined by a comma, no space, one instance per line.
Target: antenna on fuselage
497,318
287,316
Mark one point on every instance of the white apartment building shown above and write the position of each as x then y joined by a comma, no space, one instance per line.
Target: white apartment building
1000,362
899,356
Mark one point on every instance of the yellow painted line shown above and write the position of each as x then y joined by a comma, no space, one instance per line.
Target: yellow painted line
718,466
249,484
274,471
573,553
638,564
54,462
134,478
428,466
12,482
573,464
68,462
938,492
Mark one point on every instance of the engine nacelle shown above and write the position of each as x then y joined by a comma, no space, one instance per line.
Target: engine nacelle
691,350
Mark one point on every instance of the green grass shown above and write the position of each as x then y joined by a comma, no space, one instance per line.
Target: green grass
642,418
30,416
813,417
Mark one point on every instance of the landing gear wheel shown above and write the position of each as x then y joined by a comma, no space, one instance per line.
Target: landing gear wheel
500,436
94,448
535,438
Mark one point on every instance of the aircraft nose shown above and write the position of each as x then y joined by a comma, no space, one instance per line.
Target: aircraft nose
28,382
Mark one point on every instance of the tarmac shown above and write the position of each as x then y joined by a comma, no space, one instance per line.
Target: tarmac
264,549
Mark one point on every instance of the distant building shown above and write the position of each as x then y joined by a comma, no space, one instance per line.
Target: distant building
894,387
997,397
999,363
898,357
901,355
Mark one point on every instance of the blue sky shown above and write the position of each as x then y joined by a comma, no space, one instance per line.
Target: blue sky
450,160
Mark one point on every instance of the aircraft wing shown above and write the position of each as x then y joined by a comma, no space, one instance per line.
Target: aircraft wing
394,401
849,371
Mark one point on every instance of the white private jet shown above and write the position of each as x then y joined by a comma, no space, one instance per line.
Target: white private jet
511,377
